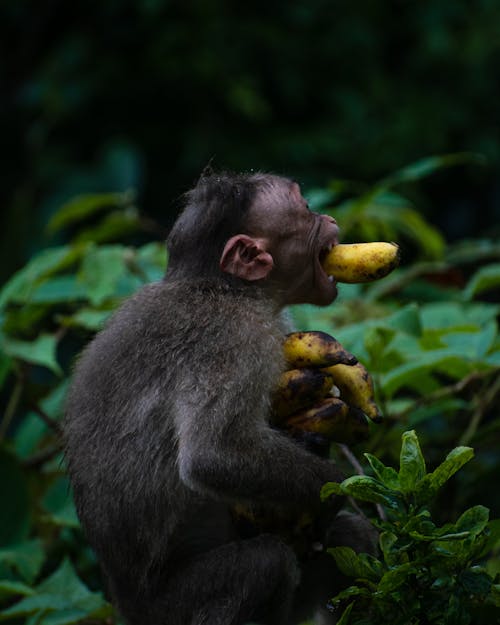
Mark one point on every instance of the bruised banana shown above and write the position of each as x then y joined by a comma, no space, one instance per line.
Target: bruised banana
298,389
356,388
333,419
315,349
361,262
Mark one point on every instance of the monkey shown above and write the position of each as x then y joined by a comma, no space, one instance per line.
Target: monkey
166,423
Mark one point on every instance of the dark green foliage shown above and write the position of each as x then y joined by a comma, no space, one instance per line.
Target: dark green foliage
425,573
428,333
119,95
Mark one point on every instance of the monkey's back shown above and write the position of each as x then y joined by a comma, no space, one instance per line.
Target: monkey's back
121,433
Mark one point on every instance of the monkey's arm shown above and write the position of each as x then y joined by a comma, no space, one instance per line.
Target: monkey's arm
233,454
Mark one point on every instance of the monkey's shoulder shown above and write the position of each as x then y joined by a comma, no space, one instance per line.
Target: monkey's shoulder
195,308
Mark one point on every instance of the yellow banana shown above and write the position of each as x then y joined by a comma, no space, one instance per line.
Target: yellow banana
315,349
331,418
361,262
297,389
356,388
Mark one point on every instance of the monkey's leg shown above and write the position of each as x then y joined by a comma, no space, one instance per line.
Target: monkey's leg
321,580
249,580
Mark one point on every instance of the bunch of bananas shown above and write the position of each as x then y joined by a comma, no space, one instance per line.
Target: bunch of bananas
326,391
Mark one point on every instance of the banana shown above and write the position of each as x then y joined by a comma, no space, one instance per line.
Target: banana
315,349
356,388
297,389
361,262
333,419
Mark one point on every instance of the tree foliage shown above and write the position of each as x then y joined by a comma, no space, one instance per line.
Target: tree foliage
428,333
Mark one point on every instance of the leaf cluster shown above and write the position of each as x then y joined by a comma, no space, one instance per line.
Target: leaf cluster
426,573
435,365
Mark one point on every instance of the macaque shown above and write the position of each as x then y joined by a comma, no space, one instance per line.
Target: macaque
167,420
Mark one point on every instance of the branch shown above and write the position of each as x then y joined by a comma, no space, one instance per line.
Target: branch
353,461
49,421
483,402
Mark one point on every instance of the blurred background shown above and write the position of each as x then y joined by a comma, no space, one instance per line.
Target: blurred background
117,95
387,114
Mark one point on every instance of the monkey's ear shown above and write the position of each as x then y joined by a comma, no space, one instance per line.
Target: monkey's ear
246,258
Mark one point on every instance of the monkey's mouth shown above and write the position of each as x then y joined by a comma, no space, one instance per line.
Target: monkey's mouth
323,253
326,283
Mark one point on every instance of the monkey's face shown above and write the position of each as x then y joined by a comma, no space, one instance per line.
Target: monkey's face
297,239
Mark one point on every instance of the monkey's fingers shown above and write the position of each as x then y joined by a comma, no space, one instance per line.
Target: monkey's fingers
356,388
315,349
298,389
332,418
361,262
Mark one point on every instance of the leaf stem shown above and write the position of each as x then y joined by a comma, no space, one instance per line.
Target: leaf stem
484,400
12,405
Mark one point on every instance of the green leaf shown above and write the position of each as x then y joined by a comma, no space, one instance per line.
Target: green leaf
408,373
62,596
15,510
58,502
368,489
473,344
41,351
329,489
396,577
9,588
58,289
484,279
406,320
152,260
344,619
412,463
473,251
355,565
113,227
474,520
102,270
494,596
25,558
476,582
84,206
5,367
87,318
429,165
387,542
20,287
387,475
447,315
432,482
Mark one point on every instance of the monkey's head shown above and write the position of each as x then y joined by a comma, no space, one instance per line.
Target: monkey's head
254,229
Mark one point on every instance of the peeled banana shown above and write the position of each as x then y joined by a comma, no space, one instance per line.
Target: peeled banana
298,389
361,262
315,349
331,418
356,388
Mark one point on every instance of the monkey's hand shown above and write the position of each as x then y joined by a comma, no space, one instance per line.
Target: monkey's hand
332,419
